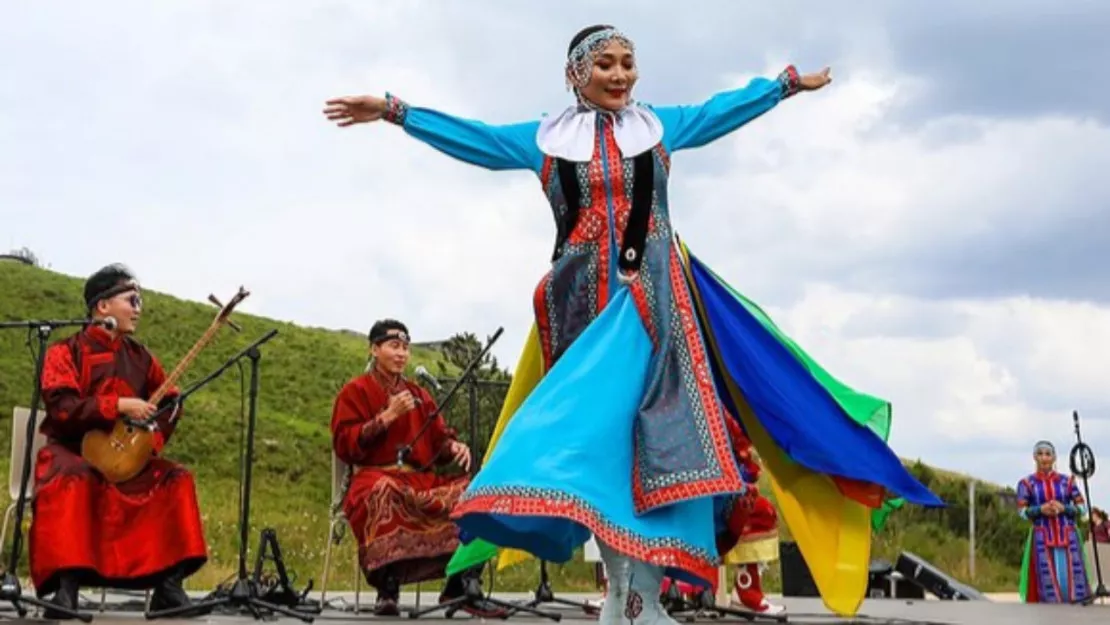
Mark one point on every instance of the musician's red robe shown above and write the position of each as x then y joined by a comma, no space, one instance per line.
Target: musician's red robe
124,535
400,516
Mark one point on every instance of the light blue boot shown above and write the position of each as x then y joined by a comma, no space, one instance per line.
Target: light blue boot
634,590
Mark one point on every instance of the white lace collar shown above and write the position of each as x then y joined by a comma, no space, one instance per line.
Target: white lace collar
570,135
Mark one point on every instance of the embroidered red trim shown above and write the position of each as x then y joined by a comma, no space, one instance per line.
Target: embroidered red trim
623,542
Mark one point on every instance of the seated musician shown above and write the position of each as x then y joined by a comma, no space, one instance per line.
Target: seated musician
399,512
144,533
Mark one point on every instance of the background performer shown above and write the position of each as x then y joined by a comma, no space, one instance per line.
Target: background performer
1053,570
140,534
399,512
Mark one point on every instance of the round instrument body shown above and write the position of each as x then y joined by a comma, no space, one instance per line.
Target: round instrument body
120,454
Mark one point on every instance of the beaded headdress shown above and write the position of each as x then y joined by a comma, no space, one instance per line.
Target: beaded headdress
580,61
1046,446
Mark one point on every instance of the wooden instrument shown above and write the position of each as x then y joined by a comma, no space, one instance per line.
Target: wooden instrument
124,452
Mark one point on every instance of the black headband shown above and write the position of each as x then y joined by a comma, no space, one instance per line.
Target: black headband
111,292
386,334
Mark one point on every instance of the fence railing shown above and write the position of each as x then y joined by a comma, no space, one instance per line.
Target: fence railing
473,412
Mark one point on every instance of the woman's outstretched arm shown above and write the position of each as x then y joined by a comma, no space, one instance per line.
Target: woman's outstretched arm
504,147
693,126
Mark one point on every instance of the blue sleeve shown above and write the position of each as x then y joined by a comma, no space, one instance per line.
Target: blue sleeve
1074,511
1074,507
498,148
1026,508
695,125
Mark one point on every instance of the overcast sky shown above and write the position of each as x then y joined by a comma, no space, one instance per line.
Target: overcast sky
933,227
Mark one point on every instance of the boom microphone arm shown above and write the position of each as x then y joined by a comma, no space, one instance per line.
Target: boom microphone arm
404,450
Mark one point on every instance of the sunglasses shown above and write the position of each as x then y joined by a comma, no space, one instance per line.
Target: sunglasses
135,300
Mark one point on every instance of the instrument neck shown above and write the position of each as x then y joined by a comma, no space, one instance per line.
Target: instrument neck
171,379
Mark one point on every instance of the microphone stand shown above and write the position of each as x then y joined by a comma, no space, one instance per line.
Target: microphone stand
1083,465
472,585
244,592
10,588
404,450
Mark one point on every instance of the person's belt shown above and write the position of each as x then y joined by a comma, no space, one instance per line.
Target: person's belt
404,468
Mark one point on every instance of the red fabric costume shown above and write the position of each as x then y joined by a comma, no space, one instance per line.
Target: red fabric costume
400,515
125,535
752,519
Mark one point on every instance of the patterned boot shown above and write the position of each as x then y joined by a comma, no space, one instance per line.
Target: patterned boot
749,591
616,586
634,591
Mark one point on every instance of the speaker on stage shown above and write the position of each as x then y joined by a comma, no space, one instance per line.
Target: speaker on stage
920,572
883,582
797,581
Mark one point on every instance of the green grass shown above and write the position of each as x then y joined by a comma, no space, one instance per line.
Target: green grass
302,369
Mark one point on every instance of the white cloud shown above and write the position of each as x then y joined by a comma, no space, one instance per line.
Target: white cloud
973,386
857,195
188,141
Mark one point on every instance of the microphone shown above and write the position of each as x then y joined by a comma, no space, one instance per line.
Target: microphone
108,322
423,374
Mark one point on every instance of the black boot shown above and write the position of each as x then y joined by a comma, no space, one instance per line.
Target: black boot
455,587
468,583
170,593
389,595
66,597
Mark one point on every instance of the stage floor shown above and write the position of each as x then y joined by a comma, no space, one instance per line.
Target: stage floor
128,609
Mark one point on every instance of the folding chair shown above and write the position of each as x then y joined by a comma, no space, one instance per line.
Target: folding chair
20,416
340,481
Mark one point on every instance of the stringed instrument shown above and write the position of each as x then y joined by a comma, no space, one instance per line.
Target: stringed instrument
124,452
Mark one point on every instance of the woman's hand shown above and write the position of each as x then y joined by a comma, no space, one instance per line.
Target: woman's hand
813,82
350,110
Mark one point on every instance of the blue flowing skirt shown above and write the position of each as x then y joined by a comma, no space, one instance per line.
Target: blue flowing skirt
562,468
568,451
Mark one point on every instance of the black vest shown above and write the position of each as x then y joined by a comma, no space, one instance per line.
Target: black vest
635,233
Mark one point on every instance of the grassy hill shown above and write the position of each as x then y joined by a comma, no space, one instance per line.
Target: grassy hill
301,371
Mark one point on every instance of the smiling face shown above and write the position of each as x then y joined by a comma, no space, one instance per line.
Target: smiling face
612,77
391,355
126,308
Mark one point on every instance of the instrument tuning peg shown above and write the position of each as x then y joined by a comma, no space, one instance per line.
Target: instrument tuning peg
234,326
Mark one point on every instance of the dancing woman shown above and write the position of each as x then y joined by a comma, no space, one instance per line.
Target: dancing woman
625,436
